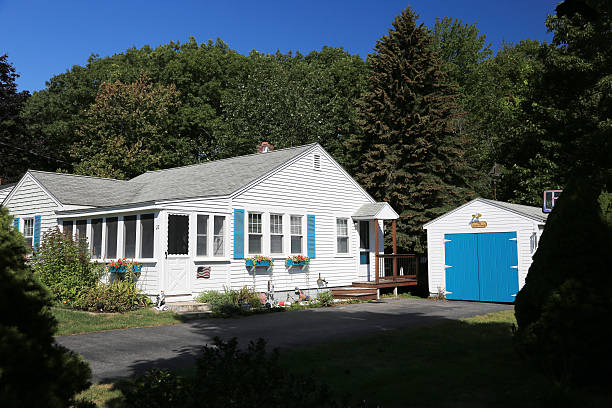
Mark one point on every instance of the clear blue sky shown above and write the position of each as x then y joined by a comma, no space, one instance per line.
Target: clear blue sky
44,38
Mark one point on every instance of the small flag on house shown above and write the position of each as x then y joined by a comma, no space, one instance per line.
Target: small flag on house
203,272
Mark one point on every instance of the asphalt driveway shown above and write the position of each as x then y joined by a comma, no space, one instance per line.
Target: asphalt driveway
121,353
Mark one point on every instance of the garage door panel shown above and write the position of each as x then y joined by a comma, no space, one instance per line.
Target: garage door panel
461,262
497,266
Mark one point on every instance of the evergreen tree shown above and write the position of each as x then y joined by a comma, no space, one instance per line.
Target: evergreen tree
34,370
411,156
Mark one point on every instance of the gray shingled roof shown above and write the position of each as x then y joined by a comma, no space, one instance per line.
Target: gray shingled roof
369,210
529,211
216,178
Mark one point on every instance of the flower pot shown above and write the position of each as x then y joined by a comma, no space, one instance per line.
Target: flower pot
258,263
291,262
124,269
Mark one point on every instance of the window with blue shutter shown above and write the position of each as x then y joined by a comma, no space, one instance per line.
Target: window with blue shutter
16,223
238,233
310,239
36,231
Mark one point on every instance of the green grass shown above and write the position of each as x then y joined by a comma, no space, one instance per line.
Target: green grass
73,321
468,363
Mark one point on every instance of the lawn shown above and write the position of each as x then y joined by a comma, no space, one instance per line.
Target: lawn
73,321
468,363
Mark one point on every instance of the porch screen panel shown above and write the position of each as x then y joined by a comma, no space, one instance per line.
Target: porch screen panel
96,238
111,237
129,236
178,235
147,232
68,227
81,229
364,234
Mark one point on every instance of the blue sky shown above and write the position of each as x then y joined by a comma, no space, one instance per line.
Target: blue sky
44,38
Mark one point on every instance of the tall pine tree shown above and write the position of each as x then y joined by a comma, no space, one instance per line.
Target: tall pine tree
410,155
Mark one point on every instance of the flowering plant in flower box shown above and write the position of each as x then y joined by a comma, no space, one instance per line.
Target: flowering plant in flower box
122,265
259,260
297,260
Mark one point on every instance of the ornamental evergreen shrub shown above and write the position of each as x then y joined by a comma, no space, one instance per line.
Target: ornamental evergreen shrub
228,377
64,266
563,311
34,370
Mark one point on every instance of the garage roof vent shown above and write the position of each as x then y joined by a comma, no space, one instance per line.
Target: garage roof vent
317,162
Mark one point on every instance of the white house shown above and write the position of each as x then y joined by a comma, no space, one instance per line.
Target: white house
214,215
482,250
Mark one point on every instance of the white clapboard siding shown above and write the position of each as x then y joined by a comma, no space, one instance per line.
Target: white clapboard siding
458,222
300,189
4,193
29,199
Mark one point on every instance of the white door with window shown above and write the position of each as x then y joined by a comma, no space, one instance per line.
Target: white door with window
177,260
364,250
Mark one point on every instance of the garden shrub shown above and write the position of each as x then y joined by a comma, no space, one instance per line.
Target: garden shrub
64,266
118,296
228,377
564,309
230,301
326,299
34,370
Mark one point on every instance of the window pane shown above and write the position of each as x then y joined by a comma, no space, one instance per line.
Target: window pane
96,238
202,237
81,228
28,227
111,237
254,244
364,234
129,236
146,235
68,225
178,234
296,225
219,236
342,227
296,244
342,245
276,224
255,223
276,244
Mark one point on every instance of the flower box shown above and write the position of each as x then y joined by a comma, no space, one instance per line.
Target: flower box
124,269
291,262
250,262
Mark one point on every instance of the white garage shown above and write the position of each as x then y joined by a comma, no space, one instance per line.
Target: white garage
482,250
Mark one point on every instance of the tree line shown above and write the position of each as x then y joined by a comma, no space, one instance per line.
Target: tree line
420,123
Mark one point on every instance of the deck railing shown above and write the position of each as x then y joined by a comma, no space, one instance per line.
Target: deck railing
397,266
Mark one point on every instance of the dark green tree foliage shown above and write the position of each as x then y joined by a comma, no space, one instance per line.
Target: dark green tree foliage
564,309
34,370
130,129
411,156
289,100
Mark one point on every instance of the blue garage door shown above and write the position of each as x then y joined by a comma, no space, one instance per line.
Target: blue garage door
481,266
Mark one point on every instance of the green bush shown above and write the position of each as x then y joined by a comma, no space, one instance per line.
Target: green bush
564,309
230,301
64,266
228,377
118,296
34,370
326,299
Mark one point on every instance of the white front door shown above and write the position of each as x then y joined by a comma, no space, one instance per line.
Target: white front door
177,262
364,250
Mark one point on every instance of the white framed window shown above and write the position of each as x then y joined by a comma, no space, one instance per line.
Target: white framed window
202,235
276,233
533,242
255,233
28,231
296,234
342,236
219,236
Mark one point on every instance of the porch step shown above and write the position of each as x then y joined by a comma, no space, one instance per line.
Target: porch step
188,307
352,292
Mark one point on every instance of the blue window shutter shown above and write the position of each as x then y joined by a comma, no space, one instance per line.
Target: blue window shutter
310,230
36,231
16,223
238,233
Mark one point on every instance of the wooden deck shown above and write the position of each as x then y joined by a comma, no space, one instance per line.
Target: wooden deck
389,282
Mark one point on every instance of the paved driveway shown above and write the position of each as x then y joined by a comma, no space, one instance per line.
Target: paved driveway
121,353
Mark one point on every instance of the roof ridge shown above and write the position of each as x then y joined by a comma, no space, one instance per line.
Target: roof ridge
74,175
506,202
226,159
